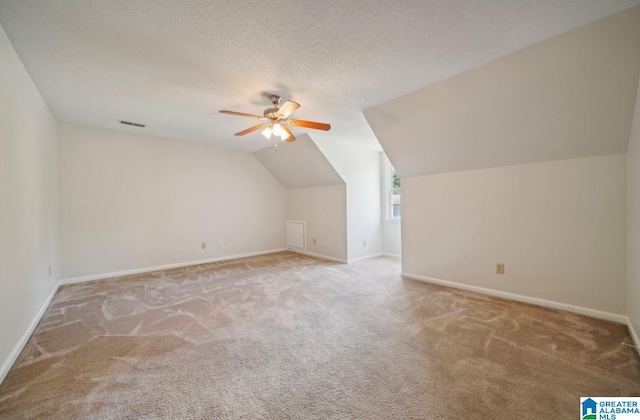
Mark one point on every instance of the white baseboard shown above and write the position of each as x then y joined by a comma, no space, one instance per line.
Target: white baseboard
6,366
594,313
366,257
634,335
164,267
321,256
386,254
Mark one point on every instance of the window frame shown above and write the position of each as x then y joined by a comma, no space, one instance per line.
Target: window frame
389,190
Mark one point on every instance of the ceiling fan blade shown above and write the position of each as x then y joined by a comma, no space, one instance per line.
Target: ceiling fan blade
288,108
242,114
291,136
310,124
250,130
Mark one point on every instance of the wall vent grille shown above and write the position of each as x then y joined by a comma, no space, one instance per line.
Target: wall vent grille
131,123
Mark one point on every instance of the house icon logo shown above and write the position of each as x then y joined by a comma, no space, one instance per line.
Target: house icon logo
589,409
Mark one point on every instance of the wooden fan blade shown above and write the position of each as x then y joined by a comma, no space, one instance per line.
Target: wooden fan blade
250,130
310,124
288,108
291,136
242,114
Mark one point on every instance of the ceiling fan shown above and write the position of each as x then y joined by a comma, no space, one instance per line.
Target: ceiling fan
276,121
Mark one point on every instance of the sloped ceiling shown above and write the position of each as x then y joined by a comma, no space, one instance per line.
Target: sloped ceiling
567,97
299,164
173,64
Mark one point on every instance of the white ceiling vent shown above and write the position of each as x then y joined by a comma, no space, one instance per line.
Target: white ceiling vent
132,123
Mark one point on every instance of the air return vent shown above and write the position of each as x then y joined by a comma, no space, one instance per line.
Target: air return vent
131,123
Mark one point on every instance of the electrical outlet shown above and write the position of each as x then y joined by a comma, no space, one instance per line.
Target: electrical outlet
314,241
219,244
203,245
364,244
500,268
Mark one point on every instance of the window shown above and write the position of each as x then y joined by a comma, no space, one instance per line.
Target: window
393,193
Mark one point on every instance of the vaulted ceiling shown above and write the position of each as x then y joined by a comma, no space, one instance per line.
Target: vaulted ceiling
570,96
299,164
173,64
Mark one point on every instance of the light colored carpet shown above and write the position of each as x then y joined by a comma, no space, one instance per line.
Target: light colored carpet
285,336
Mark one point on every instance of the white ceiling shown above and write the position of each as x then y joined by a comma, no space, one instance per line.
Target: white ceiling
173,64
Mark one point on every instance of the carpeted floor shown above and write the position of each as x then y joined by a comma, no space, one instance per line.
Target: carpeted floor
285,336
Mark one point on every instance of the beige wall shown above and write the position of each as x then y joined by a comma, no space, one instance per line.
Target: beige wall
359,166
633,221
559,227
391,237
130,201
28,203
324,209
316,194
521,161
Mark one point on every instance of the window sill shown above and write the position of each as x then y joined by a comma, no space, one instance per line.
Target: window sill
393,221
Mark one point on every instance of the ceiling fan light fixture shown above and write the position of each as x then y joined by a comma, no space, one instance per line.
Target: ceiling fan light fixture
267,132
277,130
284,135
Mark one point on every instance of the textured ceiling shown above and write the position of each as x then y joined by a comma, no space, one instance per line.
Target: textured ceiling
173,64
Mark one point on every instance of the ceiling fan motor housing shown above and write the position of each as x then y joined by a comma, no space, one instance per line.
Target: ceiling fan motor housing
272,113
